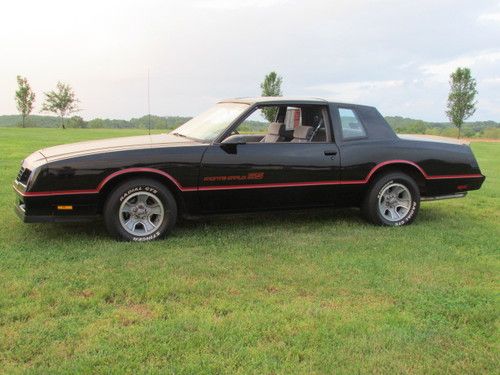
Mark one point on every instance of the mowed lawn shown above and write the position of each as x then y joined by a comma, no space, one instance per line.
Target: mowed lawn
281,293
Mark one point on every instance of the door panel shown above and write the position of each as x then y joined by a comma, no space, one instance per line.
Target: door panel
256,176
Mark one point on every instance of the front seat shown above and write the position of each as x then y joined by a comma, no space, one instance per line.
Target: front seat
302,134
275,133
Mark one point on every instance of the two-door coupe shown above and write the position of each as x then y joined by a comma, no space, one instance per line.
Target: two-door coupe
315,153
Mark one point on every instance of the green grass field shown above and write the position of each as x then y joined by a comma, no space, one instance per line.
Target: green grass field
283,293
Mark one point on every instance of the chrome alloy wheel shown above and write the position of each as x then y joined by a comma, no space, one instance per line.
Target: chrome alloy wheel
141,213
394,202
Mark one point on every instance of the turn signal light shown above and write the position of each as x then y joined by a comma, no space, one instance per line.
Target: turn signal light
64,208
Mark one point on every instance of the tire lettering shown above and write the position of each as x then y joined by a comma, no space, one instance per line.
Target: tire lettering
408,216
147,238
136,189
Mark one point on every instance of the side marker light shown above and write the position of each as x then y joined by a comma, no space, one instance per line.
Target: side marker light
65,208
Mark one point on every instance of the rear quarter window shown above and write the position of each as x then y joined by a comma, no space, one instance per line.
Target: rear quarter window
350,124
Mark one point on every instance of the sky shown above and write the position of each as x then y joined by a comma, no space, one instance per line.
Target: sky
396,55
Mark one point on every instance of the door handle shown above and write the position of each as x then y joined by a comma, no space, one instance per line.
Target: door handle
330,152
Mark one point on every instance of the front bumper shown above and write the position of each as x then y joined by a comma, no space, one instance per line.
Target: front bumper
44,209
21,213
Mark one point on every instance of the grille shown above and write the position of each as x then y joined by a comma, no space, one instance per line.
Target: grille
23,175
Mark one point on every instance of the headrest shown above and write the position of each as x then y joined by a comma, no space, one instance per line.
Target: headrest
303,132
276,128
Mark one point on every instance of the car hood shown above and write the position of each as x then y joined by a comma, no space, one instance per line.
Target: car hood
113,144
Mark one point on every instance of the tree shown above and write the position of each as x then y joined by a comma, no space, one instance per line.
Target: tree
25,98
271,87
62,101
461,104
76,122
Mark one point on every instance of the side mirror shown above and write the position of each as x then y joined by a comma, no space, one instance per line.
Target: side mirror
231,147
231,143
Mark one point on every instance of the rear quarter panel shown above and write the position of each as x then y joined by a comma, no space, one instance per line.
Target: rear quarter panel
443,166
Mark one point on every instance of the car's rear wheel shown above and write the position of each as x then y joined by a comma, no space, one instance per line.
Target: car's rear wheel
393,199
140,210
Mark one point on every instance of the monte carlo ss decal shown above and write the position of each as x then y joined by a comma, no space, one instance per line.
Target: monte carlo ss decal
248,176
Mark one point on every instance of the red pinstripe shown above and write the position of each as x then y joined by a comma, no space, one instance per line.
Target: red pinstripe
244,186
272,185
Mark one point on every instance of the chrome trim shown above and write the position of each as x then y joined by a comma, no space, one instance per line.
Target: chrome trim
441,197
19,186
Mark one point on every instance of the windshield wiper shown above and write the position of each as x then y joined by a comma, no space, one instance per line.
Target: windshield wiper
180,135
187,137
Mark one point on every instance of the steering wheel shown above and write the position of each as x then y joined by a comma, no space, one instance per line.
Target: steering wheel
320,123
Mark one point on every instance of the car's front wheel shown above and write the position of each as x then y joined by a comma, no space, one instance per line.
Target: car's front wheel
393,199
140,210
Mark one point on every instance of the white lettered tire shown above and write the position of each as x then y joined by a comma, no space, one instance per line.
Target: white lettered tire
393,199
140,209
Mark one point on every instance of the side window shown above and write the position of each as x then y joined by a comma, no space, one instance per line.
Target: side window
309,123
258,121
255,127
312,125
351,126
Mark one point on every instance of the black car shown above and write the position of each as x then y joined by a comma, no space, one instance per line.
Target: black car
314,154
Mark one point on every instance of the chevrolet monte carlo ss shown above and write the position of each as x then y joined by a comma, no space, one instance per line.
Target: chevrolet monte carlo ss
314,154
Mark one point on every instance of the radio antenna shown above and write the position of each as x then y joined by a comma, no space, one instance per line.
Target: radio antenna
149,108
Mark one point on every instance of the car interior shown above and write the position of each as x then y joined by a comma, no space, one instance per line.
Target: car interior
293,124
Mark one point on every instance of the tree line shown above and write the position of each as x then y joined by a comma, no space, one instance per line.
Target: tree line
473,129
157,122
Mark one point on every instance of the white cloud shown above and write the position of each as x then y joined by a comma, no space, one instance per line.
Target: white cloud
491,80
198,51
490,108
489,17
352,91
440,72
237,4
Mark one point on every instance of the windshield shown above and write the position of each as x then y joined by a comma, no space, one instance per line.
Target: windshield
208,125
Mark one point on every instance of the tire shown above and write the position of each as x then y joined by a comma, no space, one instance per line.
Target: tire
393,199
140,209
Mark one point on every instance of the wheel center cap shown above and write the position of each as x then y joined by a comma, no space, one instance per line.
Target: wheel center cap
391,200
140,212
